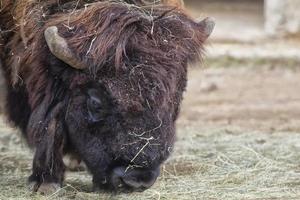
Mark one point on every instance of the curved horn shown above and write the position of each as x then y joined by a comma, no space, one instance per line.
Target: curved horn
207,26
59,48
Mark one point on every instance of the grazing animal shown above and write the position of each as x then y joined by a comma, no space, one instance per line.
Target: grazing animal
101,80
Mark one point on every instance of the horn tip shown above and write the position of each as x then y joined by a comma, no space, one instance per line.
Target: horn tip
207,25
52,30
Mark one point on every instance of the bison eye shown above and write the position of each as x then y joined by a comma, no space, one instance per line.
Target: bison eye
94,103
95,106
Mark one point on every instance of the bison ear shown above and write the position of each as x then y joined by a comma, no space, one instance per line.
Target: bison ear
60,49
207,26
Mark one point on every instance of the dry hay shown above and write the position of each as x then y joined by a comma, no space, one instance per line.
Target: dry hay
225,163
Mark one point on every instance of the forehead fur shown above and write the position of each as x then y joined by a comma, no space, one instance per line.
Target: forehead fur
116,34
154,41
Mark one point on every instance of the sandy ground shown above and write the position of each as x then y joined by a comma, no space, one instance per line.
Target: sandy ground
238,138
255,98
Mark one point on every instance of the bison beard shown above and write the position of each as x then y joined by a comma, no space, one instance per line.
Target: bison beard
100,80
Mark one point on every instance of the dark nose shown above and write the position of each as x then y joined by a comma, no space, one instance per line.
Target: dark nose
133,179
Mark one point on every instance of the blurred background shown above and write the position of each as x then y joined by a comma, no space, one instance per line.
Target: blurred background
244,20
250,77
238,134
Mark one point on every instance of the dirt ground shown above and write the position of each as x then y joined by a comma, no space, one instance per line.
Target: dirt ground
238,138
255,98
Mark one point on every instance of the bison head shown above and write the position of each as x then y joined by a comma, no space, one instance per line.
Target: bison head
125,71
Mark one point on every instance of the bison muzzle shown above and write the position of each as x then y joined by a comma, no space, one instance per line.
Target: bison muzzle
100,80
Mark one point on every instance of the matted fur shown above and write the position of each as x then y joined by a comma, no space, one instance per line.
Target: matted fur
135,54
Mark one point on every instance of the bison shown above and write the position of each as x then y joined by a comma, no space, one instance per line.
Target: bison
100,80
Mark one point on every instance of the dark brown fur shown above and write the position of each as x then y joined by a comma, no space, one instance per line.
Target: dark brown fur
136,64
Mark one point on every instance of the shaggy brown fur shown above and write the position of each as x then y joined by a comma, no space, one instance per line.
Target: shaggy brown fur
117,113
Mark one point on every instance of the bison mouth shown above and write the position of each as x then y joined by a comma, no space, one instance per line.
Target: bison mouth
125,179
